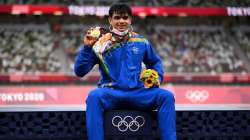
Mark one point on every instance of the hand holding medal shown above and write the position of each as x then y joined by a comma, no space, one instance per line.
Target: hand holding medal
92,35
102,43
98,38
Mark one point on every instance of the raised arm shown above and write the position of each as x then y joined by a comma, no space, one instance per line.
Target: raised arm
85,61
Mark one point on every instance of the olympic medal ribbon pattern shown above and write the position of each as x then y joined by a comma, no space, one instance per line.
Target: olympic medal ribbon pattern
100,46
102,40
150,78
105,41
128,123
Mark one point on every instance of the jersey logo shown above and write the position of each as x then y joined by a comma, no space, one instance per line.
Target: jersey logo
135,50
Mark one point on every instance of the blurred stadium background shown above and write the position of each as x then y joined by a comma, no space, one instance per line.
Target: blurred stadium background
204,45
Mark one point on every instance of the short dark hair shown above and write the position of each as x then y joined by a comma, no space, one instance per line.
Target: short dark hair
120,9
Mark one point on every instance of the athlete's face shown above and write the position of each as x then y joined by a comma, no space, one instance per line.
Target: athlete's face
121,22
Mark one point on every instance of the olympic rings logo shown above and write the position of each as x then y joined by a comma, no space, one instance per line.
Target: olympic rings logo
197,95
128,123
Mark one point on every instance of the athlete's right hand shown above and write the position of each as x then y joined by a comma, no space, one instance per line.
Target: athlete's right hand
91,36
103,43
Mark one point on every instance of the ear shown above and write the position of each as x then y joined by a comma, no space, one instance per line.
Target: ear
109,20
131,19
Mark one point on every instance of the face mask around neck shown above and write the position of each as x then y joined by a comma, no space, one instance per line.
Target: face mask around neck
119,33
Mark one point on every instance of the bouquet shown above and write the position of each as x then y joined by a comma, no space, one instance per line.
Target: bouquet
150,78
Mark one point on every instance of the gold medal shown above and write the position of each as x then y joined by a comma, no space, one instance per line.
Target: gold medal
95,32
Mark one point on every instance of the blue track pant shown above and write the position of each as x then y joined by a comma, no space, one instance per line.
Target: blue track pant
102,99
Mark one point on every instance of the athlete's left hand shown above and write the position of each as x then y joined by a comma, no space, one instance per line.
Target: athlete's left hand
150,78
